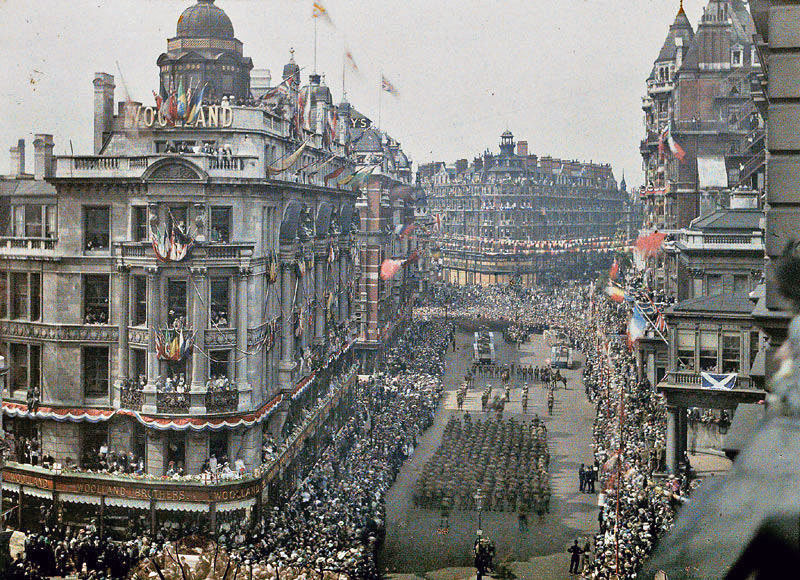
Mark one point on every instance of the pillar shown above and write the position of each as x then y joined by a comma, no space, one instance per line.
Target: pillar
344,298
288,282
153,305
320,260
242,310
123,309
199,323
156,453
672,439
196,451
683,431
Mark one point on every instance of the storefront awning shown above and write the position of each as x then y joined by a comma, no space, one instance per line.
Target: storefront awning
711,172
182,506
139,504
78,498
10,487
35,492
229,506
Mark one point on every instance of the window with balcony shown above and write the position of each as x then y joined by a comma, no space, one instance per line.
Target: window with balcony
731,352
685,350
96,227
139,224
95,372
95,299
709,348
139,317
138,364
221,220
176,303
220,302
219,366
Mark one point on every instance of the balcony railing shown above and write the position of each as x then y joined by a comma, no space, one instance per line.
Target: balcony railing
172,403
122,166
11,246
143,251
694,380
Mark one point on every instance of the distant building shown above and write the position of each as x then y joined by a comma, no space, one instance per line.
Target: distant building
514,217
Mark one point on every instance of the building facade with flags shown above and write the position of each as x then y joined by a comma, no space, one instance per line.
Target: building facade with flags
704,135
183,292
516,217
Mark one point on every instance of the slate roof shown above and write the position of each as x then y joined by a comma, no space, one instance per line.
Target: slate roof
732,220
25,187
720,303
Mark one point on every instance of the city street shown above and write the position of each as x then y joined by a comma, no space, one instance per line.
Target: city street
413,543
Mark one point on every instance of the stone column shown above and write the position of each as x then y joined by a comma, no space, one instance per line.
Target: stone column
156,453
123,309
242,321
153,317
344,298
672,439
199,323
288,282
196,451
321,249
683,433
251,447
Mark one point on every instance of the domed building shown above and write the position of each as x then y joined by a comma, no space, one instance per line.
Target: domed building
205,51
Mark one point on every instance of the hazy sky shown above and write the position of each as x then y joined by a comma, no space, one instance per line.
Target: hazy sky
567,75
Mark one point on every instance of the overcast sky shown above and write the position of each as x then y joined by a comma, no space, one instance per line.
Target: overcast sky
567,75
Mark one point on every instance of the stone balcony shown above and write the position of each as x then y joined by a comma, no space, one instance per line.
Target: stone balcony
24,248
227,254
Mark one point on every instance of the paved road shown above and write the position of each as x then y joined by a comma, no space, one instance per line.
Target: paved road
412,543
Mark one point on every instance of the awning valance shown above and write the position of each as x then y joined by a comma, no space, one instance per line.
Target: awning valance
10,487
78,498
36,492
711,172
182,506
141,504
229,506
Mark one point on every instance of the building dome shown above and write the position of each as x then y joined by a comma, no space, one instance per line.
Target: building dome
204,20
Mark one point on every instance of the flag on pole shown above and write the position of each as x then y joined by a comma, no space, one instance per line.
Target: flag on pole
615,293
348,57
181,100
387,86
614,271
196,104
636,326
319,11
285,163
334,174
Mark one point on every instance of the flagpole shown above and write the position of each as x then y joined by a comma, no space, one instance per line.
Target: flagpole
344,71
315,45
380,95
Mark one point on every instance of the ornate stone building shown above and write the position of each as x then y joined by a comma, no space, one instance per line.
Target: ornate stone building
179,297
515,217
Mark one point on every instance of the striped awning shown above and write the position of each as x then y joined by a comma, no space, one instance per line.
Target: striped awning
78,498
182,506
229,506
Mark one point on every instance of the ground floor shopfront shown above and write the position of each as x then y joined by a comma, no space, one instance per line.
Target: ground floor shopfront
124,505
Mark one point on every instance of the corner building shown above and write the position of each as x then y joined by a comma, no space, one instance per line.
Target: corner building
186,295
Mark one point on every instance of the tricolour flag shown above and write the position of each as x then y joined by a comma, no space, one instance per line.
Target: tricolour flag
387,86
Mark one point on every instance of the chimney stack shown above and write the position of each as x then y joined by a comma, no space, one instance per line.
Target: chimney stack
522,148
18,158
103,108
43,161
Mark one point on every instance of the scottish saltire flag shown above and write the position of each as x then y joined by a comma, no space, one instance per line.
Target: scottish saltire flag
724,382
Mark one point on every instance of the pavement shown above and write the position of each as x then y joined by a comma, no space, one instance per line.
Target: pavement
414,548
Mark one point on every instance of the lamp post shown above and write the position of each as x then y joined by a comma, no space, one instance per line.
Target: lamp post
479,497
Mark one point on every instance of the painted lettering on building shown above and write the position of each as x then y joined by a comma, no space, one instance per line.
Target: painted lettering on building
208,116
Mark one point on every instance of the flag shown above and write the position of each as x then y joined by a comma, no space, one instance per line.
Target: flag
348,57
636,326
319,11
285,163
718,381
387,86
406,231
172,108
615,293
181,100
650,245
196,104
437,221
676,148
614,271
661,323
331,126
334,174
389,268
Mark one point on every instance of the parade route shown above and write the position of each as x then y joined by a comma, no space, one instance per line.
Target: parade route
415,545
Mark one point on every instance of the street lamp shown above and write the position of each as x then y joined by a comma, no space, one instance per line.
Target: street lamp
479,497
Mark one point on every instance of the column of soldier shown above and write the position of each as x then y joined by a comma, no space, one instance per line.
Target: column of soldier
506,459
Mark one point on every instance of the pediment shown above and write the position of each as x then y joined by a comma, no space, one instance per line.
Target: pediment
174,170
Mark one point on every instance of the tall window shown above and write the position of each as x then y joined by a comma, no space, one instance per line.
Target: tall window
685,350
96,227
741,283
709,346
176,303
139,300
139,223
19,295
138,363
33,221
731,352
220,224
25,366
3,294
35,283
219,363
95,372
95,299
220,302
178,216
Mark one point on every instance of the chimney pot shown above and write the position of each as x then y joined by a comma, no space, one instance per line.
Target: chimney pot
18,158
44,163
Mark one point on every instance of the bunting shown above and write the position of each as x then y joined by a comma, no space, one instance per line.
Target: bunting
283,164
